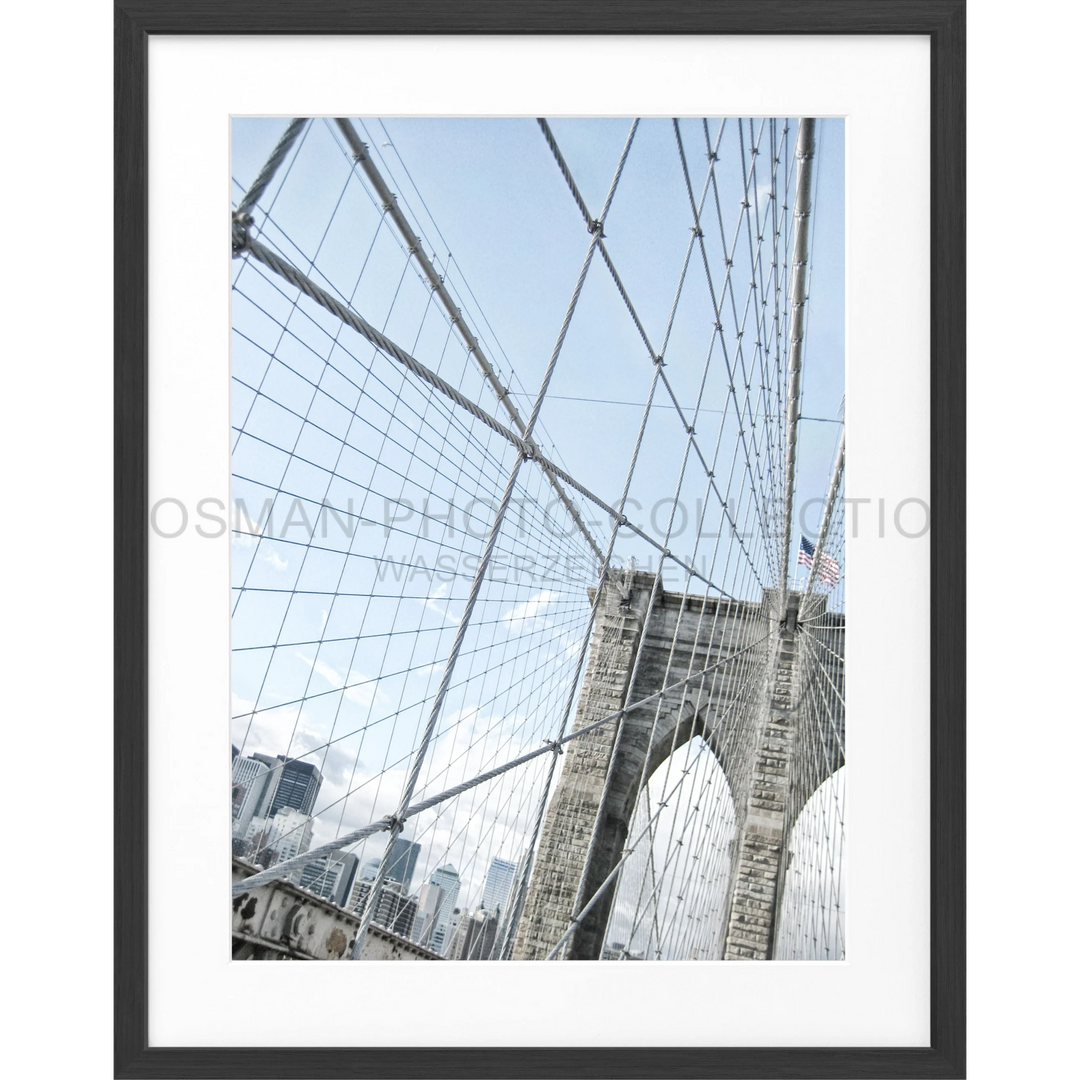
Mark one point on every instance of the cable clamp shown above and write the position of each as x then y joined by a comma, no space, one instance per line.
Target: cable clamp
395,823
595,226
659,359
241,233
555,745
696,231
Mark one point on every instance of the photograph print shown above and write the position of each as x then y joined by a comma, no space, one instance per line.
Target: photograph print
537,538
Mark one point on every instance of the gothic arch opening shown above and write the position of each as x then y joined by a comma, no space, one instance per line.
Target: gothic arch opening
671,896
811,925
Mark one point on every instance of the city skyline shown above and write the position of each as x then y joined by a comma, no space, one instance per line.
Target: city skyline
269,830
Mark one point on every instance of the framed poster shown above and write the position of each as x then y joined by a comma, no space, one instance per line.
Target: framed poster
136,1051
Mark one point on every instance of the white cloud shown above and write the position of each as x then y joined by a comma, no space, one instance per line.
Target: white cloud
528,614
361,689
443,611
246,527
276,561
495,818
276,730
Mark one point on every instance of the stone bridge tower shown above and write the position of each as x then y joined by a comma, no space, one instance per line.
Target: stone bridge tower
751,719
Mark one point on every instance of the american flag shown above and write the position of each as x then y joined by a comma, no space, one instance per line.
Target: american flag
828,568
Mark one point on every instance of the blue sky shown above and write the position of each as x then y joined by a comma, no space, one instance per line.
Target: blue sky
320,657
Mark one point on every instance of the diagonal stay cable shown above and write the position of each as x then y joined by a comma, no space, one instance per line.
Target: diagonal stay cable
718,303
444,273
398,822
517,900
242,243
628,850
657,358
280,869
389,201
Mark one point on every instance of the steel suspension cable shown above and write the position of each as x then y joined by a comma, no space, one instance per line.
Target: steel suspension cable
397,822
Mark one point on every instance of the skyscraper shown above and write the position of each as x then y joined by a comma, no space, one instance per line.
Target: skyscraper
393,911
403,863
249,778
297,787
445,933
273,766
475,937
445,878
431,898
500,879
286,834
330,876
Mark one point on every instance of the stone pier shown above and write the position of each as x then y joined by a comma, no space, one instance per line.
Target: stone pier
747,711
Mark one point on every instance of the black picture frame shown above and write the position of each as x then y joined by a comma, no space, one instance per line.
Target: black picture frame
943,21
